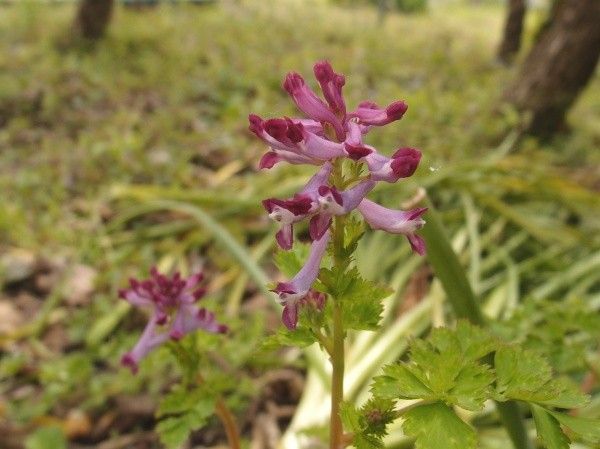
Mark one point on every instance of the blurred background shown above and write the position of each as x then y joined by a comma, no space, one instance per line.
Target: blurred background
124,144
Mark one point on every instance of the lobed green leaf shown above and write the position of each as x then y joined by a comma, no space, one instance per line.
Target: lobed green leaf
436,426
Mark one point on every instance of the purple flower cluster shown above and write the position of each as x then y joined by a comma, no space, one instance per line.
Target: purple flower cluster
330,133
172,301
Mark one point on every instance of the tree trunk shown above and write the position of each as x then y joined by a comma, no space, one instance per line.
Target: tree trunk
558,67
513,29
93,17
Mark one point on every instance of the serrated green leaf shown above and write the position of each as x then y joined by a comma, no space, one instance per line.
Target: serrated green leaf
377,413
362,313
474,341
290,262
442,368
520,371
436,426
174,430
586,428
472,386
336,281
362,302
354,229
563,393
548,429
183,400
362,441
526,376
398,381
350,417
369,424
300,337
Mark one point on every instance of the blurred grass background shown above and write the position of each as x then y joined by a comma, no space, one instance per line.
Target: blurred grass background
92,139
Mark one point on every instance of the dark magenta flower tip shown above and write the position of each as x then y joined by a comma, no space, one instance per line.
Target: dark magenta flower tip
323,71
294,131
268,160
405,161
324,191
276,128
289,316
293,81
176,335
128,361
396,110
357,152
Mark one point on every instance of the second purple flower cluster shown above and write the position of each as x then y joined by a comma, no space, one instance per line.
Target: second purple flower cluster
328,133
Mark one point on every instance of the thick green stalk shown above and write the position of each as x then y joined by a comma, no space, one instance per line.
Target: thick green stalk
447,268
337,355
337,379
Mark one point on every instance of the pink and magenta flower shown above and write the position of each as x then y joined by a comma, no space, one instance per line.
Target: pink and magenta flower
328,133
395,222
172,302
293,294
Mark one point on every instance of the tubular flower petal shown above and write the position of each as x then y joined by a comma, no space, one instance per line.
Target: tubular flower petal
331,85
357,152
402,164
395,222
293,293
308,102
332,202
355,133
290,211
172,300
368,113
272,157
291,141
149,340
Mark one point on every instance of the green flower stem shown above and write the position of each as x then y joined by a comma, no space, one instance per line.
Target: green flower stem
336,435
337,379
460,295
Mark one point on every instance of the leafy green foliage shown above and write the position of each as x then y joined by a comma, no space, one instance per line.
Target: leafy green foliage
369,423
183,411
548,424
290,262
354,229
362,299
564,331
585,428
548,429
451,367
300,337
446,368
526,376
436,426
